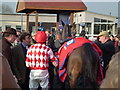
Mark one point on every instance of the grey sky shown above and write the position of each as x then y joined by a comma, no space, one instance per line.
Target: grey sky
98,6
103,7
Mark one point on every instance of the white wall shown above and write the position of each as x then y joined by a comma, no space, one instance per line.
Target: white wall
89,16
17,19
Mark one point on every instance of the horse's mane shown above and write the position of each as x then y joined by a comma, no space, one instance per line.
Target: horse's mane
90,61
82,67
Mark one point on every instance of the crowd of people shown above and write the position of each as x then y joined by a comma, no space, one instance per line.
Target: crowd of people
30,61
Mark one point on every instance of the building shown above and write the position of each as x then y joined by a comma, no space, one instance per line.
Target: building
18,21
93,23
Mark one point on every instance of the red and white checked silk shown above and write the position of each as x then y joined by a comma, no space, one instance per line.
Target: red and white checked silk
38,56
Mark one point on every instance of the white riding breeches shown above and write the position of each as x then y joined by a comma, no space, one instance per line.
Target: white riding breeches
39,77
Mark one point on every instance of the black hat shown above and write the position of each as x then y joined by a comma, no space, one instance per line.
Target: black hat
11,31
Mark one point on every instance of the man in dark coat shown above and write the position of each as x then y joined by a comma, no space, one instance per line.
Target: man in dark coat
9,37
19,55
107,47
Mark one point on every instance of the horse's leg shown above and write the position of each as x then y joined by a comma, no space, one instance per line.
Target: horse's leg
74,66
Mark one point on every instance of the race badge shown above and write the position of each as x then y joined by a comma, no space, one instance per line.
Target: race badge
70,42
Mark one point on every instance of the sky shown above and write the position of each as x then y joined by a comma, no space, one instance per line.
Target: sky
99,6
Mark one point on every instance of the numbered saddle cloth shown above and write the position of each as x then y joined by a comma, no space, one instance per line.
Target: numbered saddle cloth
66,50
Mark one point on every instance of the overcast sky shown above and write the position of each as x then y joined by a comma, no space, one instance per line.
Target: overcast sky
98,6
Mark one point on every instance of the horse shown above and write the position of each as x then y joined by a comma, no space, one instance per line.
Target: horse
112,74
79,64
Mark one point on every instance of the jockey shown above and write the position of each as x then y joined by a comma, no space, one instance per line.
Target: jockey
37,59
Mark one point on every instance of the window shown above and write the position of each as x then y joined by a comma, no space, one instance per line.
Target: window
96,29
7,26
18,27
88,28
109,27
110,21
103,27
96,19
103,20
33,28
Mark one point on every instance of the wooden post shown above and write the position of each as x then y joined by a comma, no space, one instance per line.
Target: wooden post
27,23
36,22
71,17
57,23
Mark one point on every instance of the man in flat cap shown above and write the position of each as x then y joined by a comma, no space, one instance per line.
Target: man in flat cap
9,37
107,47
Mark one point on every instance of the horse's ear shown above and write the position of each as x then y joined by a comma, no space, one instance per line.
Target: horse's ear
63,24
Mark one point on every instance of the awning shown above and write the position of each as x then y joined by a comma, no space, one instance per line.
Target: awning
50,6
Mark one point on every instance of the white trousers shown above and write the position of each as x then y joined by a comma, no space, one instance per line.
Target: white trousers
39,77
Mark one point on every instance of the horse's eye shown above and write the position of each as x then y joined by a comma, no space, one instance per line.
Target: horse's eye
69,75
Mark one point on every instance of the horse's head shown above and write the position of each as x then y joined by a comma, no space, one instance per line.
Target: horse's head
82,62
74,66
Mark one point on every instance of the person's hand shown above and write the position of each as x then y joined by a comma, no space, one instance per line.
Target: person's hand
55,64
